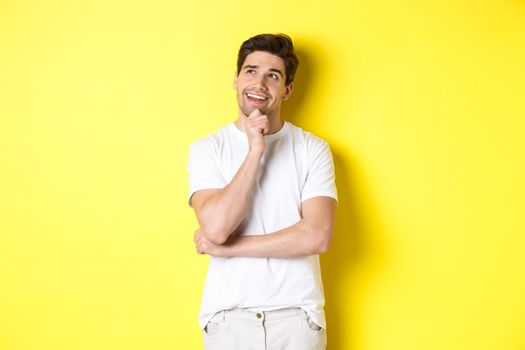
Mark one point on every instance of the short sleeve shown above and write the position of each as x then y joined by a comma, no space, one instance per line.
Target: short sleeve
203,168
320,179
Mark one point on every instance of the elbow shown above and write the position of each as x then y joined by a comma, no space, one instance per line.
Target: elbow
323,243
323,248
216,237
319,238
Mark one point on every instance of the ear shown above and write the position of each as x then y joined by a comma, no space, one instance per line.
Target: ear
288,89
235,82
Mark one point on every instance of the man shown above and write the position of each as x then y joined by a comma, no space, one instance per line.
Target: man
264,194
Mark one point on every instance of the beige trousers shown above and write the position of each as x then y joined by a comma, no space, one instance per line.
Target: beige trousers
285,329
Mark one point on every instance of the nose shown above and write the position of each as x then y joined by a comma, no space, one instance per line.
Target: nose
259,80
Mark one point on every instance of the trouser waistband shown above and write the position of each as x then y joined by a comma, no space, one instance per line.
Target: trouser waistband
258,316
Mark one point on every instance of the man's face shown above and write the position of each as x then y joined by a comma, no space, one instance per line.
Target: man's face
261,84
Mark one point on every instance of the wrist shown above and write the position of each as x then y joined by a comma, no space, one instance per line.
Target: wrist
223,251
255,152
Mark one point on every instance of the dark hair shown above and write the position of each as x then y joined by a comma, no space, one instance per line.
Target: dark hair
278,44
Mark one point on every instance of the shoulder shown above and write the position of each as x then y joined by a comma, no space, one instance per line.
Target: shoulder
309,140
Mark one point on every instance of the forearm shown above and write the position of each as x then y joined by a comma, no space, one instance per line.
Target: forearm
222,212
299,240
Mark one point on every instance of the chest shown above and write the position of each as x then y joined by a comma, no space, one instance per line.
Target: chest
282,170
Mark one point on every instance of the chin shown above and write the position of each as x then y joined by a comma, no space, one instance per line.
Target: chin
246,109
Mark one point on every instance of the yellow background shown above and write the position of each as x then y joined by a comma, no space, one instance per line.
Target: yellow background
421,101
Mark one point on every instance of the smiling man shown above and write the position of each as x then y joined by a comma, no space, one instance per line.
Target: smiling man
264,194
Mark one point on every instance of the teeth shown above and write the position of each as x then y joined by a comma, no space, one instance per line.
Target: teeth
257,97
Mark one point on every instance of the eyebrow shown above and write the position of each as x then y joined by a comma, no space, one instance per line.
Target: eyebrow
249,66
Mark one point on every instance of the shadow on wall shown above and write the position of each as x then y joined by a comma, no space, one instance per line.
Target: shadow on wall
340,262
347,249
305,76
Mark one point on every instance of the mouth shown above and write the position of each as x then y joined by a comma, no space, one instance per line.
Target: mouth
256,98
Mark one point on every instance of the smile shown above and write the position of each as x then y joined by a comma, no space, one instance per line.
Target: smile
255,97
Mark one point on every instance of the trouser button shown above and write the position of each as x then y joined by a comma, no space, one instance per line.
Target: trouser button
259,315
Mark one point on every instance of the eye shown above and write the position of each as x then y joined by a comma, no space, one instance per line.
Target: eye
274,76
250,71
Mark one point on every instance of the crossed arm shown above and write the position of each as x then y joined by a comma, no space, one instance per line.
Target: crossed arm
310,235
220,211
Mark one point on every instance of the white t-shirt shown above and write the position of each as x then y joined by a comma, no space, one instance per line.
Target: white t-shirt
296,166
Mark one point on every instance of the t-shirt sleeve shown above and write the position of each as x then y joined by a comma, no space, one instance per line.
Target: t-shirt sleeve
203,168
320,180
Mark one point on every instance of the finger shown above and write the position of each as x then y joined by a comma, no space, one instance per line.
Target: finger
197,235
198,249
257,118
266,127
254,113
259,124
263,127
